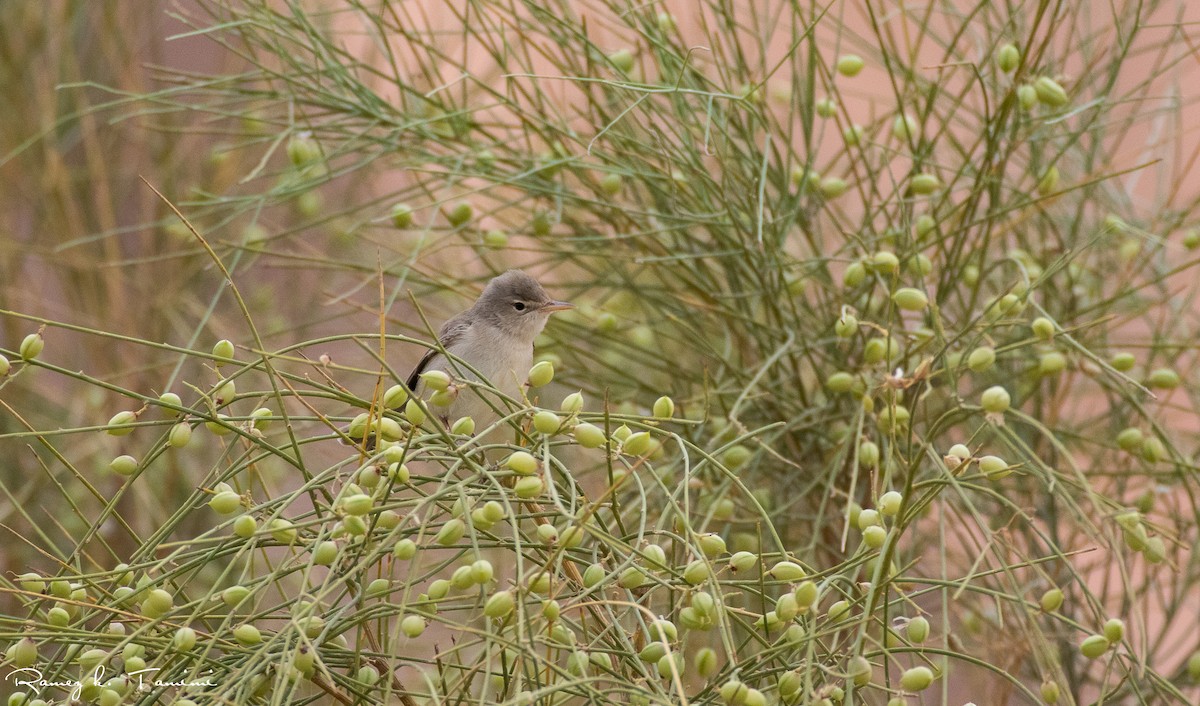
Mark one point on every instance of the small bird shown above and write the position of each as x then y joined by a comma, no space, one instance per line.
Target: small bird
495,337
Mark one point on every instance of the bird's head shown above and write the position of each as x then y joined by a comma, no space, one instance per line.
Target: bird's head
516,304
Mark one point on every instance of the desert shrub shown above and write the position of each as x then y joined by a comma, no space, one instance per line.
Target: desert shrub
883,353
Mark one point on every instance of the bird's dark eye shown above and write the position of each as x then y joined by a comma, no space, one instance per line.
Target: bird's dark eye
519,306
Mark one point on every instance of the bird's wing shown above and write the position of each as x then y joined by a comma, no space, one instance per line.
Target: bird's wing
451,332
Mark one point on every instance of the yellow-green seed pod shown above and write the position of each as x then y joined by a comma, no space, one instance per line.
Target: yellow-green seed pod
855,274
451,532
1052,363
874,536
547,422
733,692
611,184
414,413
696,572
981,359
1094,646
1114,630
1049,181
1155,551
226,502
826,107
529,487
499,605
994,467
157,603
905,128
357,504
31,346
1008,57
1193,666
1050,92
910,299
325,553
5,366
22,653
247,634
436,379
1123,362
1050,692
589,436
838,611
123,465
245,526
121,423
638,444
788,571
664,407
463,426
850,64
652,652
807,594
711,545
742,561
1027,96
522,463
495,239
853,134
859,670
541,374
401,215
916,679
889,503
839,382
924,184
833,187
996,399
1163,378
885,262
572,403
706,662
846,326
1052,600
622,60
460,213
917,629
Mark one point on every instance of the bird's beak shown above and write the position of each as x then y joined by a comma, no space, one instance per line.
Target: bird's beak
555,305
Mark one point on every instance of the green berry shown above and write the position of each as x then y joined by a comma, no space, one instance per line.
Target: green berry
247,634
1050,692
460,213
5,366
1027,96
826,107
1163,378
611,184
402,215
1123,362
1048,182
541,374
916,679
1008,57
846,326
522,463
589,436
855,274
1050,92
23,653
917,629
1114,630
904,127
889,503
788,571
850,64
31,346
996,399
499,605
910,299
302,150
994,467
245,526
924,184
412,626
1094,646
839,382
1130,439
226,502
832,187
156,603
124,465
696,572
121,423
530,487
547,422
664,408
357,504
495,239
451,532
1051,600
622,60
885,262
180,435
